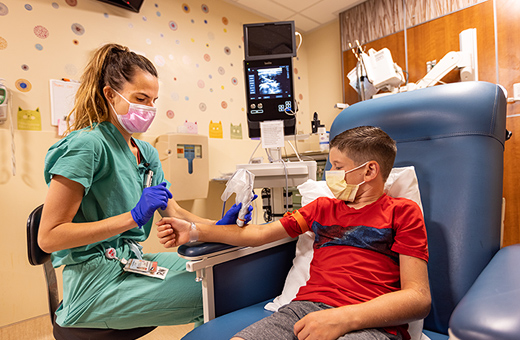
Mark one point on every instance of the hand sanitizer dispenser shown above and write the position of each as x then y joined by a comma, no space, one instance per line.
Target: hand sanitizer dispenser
3,102
184,159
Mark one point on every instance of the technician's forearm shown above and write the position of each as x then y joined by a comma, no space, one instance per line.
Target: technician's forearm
69,235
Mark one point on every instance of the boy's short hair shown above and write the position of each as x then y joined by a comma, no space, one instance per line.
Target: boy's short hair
367,143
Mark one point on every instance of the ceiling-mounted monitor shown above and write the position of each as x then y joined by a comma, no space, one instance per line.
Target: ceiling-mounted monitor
269,40
131,5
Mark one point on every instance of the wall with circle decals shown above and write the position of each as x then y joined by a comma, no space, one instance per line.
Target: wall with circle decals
197,47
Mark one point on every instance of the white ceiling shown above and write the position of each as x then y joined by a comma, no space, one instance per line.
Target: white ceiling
307,14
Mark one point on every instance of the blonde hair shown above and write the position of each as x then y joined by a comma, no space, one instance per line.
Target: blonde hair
111,65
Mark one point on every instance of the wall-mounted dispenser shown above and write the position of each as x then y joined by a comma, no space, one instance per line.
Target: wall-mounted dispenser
185,162
3,102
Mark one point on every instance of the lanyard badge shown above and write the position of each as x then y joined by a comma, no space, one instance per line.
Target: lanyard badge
138,266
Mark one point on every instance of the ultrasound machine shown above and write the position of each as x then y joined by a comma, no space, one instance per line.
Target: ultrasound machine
268,69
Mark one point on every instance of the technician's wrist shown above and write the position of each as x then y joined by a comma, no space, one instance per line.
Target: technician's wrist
135,218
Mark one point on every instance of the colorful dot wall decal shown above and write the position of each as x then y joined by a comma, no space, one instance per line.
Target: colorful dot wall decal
23,85
39,47
201,84
4,10
186,8
159,60
77,29
55,5
234,81
25,67
75,42
71,2
204,8
225,20
3,43
227,50
41,32
173,25
202,107
28,7
224,104
170,114
207,57
221,70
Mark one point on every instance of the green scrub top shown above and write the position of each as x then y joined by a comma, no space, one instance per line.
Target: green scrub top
101,161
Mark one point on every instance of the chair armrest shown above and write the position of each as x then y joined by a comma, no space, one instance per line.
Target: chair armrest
490,309
235,277
200,250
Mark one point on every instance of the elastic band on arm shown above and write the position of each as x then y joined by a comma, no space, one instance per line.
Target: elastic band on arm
299,219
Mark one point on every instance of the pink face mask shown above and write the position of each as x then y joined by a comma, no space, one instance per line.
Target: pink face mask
138,118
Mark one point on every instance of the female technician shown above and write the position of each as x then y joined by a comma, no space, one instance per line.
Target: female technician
98,206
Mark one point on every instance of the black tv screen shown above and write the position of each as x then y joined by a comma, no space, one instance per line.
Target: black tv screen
269,93
131,5
269,40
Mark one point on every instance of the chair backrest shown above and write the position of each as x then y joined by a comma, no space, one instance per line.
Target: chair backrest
35,254
37,257
454,135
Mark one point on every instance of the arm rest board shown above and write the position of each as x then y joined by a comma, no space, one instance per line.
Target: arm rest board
491,308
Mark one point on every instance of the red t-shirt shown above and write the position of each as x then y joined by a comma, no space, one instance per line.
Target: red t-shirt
356,251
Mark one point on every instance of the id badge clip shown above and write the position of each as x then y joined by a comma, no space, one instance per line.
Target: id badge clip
142,267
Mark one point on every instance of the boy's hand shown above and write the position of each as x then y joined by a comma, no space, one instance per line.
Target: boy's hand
173,232
328,324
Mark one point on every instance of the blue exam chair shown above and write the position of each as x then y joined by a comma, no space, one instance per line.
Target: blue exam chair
454,136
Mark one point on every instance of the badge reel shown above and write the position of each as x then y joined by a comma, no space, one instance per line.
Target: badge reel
137,266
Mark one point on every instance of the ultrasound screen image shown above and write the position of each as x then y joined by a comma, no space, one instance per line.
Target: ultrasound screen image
271,82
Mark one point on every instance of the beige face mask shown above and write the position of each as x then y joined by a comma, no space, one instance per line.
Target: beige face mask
340,188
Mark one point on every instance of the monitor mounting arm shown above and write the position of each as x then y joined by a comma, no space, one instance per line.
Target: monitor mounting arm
452,60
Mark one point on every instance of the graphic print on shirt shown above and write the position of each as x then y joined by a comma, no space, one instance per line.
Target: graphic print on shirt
370,238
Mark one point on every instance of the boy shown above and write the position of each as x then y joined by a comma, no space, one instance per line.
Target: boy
368,276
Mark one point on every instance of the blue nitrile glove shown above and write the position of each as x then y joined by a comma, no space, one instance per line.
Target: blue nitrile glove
152,198
232,214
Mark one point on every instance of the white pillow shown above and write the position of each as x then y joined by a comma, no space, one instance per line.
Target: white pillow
402,182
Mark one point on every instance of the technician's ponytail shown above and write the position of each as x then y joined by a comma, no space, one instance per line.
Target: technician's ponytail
111,65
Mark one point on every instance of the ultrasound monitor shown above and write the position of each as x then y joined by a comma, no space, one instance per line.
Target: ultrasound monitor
269,94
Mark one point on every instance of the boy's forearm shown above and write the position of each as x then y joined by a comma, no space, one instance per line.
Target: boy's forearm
391,309
249,235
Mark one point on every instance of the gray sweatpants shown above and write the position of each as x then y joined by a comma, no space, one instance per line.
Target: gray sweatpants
280,325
